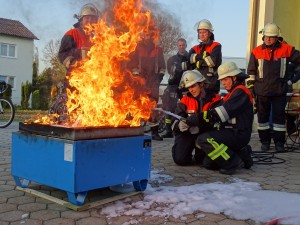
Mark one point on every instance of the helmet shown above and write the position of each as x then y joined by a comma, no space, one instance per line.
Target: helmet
204,24
230,69
191,77
89,10
271,30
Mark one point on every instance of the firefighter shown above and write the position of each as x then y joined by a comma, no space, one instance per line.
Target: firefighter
176,65
74,46
226,145
268,71
207,56
148,62
193,102
76,42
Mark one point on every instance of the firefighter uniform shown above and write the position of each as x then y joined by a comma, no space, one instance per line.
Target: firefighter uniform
207,57
148,62
73,47
191,104
232,118
184,143
268,72
71,44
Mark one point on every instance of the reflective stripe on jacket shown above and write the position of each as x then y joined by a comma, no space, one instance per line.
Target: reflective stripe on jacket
269,67
235,110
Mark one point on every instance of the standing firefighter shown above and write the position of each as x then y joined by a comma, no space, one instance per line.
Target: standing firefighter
226,146
176,65
207,56
76,42
148,62
268,69
195,101
74,46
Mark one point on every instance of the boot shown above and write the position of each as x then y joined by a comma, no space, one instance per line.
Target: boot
279,147
265,146
245,155
169,132
237,164
155,135
210,164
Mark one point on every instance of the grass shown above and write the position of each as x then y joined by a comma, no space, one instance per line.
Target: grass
21,115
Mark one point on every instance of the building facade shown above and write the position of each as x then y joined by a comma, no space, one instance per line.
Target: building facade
16,55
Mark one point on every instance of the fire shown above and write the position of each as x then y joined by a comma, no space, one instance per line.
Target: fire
106,94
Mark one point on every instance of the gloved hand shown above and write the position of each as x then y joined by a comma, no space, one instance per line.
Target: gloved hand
183,126
202,55
68,61
194,130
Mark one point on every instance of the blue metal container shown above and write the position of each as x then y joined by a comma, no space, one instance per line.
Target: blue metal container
79,166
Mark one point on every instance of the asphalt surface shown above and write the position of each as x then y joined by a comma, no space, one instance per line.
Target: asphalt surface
278,172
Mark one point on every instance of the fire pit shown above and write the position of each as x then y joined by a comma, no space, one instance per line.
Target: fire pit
78,160
81,133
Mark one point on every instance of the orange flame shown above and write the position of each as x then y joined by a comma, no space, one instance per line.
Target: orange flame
105,94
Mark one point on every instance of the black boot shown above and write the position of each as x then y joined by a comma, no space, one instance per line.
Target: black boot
155,135
279,147
245,155
235,164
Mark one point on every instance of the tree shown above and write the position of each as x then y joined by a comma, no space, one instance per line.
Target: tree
35,67
58,70
169,26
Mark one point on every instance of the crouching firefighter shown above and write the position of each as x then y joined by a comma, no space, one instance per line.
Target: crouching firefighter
226,145
195,101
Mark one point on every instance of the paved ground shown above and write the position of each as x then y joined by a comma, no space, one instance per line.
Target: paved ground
18,207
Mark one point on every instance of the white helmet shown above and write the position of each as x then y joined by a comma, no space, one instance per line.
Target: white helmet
204,24
228,69
89,10
191,77
271,30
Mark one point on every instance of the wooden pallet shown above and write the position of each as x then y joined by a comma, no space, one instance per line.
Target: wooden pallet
113,196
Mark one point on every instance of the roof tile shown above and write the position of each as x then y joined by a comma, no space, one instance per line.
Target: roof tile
15,28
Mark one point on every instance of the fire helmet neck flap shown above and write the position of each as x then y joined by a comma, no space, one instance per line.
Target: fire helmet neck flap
191,77
230,69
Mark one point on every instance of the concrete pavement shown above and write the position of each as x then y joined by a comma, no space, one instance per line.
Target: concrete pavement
18,207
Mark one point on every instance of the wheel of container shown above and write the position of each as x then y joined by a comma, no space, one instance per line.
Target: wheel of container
140,185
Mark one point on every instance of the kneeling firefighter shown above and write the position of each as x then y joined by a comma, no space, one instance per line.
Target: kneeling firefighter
226,145
195,101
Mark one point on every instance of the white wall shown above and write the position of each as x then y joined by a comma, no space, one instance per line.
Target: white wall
19,67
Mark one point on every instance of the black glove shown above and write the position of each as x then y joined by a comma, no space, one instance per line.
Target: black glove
202,55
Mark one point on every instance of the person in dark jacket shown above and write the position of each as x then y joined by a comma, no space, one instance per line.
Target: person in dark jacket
148,62
76,42
226,145
176,65
268,70
74,47
207,56
195,101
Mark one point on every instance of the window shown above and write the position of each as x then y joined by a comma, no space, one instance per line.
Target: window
7,50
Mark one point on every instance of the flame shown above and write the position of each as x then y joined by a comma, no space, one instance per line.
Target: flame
104,93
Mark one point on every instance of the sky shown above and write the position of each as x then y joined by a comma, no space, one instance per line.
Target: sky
49,20
237,199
